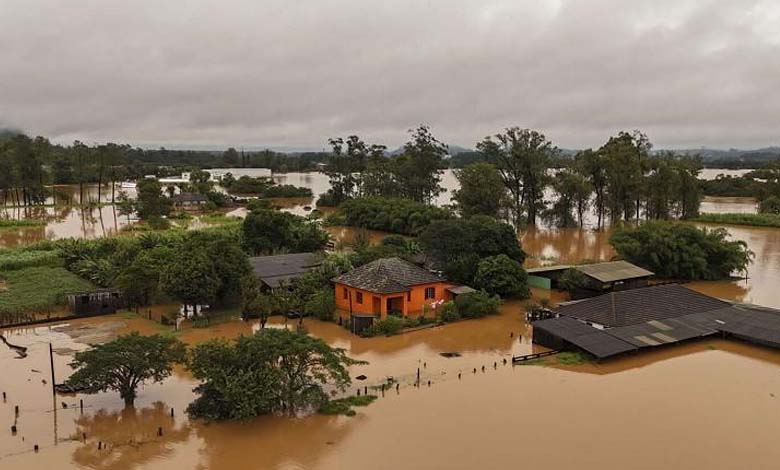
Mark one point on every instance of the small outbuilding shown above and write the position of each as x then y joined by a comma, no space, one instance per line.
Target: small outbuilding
279,270
609,276
97,302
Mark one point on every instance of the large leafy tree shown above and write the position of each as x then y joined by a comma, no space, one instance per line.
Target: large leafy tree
346,164
501,275
190,277
151,203
272,371
418,169
625,159
125,363
458,245
522,157
573,193
268,231
482,192
682,251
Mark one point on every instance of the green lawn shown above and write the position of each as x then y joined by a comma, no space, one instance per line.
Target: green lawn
37,288
757,220
20,223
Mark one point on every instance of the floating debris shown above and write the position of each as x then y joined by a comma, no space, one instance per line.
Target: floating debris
450,354
361,377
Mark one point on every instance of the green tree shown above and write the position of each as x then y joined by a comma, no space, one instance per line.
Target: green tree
418,169
125,363
272,371
625,158
230,156
573,193
522,156
481,192
140,279
501,275
190,278
592,166
457,246
151,203
682,251
770,205
571,280
267,231
346,164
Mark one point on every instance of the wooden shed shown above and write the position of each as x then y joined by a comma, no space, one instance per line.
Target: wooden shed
97,302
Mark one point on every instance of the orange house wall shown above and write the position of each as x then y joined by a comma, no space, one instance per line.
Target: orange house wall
412,305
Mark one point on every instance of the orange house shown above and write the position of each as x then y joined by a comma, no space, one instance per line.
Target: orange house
390,286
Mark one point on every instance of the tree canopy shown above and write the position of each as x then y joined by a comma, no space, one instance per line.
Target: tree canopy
125,363
682,251
272,371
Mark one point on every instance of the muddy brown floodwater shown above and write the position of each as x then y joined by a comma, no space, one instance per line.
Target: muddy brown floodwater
712,404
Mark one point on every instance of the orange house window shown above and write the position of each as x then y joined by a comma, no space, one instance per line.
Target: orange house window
430,293
359,297
346,293
409,296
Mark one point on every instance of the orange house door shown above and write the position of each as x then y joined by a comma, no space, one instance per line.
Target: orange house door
377,305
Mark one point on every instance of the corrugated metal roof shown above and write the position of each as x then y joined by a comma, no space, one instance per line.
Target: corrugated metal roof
635,306
458,290
544,269
612,271
591,340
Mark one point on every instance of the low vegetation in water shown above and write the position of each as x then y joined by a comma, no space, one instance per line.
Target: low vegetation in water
756,220
343,406
20,223
18,259
568,358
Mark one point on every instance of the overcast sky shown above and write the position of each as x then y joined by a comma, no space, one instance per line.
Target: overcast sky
294,72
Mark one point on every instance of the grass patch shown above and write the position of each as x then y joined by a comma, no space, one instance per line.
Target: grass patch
18,259
758,220
343,406
533,362
16,223
38,288
571,358
219,219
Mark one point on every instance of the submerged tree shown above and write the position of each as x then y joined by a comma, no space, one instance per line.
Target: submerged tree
682,251
481,192
418,169
573,193
523,158
272,371
125,363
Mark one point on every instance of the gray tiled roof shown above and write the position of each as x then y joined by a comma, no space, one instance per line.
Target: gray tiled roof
387,275
634,306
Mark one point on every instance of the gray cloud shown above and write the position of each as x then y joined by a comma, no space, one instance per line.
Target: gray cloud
293,73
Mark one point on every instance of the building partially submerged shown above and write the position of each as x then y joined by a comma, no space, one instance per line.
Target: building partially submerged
626,321
603,277
279,270
389,286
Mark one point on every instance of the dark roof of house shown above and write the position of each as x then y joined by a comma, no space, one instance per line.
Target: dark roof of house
592,340
189,197
387,275
612,271
276,270
634,306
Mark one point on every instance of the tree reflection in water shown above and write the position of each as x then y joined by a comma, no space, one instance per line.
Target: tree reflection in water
129,437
